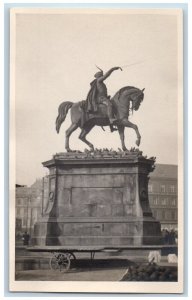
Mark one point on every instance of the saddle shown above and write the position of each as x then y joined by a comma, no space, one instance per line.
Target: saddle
88,117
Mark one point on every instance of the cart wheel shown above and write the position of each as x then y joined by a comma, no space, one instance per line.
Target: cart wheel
72,256
60,262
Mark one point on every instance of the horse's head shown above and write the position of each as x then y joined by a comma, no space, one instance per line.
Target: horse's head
126,96
136,97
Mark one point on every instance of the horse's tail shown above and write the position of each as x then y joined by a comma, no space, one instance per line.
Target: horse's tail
62,113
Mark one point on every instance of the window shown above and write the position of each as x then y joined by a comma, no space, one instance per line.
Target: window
173,215
18,212
163,215
19,202
162,188
24,222
150,188
34,213
173,202
164,201
155,201
172,188
167,215
150,200
18,224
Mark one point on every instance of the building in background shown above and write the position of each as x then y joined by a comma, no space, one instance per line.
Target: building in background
28,207
163,195
32,202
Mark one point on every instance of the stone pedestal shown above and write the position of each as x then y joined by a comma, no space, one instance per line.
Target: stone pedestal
98,199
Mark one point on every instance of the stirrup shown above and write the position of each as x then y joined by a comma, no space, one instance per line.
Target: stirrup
113,128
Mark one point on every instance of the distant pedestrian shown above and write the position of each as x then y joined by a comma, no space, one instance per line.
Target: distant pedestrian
26,238
172,237
163,232
176,237
166,237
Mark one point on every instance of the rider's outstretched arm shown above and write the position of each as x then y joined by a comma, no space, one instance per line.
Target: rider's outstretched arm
108,73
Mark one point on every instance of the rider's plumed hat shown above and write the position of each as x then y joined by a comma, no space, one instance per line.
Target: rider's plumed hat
98,74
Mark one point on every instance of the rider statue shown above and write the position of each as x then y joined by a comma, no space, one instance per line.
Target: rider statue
98,95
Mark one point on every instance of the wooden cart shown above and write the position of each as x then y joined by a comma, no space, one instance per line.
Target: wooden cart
63,255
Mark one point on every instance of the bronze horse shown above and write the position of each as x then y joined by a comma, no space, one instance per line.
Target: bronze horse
126,99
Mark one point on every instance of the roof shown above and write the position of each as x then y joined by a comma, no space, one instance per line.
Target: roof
165,171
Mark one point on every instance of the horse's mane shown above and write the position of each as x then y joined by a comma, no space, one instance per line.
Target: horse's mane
118,94
126,88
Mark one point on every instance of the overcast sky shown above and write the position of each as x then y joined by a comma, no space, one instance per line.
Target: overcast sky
55,62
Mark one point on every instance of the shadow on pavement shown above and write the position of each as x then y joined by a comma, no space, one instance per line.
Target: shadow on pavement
99,264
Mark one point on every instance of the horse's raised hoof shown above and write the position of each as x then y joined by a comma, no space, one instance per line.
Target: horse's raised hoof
137,142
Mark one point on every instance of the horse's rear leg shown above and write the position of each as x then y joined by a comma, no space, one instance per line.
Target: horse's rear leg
68,132
82,137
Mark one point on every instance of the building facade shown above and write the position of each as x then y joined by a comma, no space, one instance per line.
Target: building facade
28,207
163,195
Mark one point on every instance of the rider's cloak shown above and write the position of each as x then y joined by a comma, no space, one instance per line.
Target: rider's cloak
91,101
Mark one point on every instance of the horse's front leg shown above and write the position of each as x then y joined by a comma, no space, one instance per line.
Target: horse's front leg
127,123
121,130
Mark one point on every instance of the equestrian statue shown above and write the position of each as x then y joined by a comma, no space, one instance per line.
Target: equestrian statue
100,110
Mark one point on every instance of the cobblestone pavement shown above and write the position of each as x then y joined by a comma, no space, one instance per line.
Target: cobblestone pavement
81,270
87,275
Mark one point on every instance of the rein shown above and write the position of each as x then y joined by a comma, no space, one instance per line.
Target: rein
132,90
